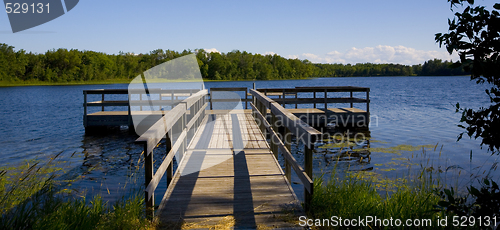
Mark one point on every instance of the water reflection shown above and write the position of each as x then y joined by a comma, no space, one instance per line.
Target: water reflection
110,164
347,149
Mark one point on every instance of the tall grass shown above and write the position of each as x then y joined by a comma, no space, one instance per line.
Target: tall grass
32,198
351,197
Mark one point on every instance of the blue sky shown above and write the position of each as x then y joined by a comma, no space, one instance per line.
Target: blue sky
395,31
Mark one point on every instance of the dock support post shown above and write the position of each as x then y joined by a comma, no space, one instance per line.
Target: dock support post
351,102
314,93
287,136
246,99
211,103
308,160
284,105
326,101
183,126
170,169
368,102
148,166
102,101
85,108
274,146
296,96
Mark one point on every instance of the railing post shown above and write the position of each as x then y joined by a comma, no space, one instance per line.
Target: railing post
257,106
296,96
314,95
246,99
308,160
102,101
170,169
140,101
368,101
148,166
284,105
84,108
211,104
129,113
274,146
326,101
183,126
287,136
351,99
263,111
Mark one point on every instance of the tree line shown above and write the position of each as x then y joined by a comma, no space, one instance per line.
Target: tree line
64,65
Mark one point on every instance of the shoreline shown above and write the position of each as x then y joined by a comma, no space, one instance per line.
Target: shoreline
127,81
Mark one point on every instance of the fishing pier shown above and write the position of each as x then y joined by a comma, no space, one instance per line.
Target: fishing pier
227,168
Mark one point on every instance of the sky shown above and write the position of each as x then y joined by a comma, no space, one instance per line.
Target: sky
354,31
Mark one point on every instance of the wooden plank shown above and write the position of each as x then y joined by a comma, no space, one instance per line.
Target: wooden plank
195,97
305,179
296,126
248,185
261,97
307,100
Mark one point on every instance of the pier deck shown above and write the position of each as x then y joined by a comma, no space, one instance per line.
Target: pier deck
229,174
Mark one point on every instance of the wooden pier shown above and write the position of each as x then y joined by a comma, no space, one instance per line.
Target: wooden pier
227,169
319,114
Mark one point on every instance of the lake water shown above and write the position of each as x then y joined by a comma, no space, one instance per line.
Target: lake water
410,116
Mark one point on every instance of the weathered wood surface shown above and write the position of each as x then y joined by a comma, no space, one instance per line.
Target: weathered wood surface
229,172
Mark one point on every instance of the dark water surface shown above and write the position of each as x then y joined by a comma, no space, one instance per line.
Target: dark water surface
410,116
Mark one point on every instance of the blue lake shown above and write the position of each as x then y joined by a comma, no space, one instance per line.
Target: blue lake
408,114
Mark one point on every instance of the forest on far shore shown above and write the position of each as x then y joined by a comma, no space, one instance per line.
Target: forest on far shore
66,66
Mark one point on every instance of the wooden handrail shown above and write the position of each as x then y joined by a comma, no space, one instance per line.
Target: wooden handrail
137,91
196,105
283,92
302,131
304,178
298,127
300,89
243,89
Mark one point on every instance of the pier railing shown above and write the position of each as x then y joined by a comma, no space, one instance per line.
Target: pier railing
141,101
283,95
291,125
234,89
184,117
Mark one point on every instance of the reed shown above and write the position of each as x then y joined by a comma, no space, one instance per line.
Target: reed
32,198
352,197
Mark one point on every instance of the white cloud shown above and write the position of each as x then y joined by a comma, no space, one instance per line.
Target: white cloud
212,50
269,53
378,54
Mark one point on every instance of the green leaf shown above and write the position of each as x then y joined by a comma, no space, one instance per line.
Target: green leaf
474,191
496,6
444,203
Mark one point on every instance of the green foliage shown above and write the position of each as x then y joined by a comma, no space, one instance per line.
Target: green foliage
352,197
475,35
485,201
31,198
74,66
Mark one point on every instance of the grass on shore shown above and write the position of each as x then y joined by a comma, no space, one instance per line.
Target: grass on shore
352,197
32,198
39,83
